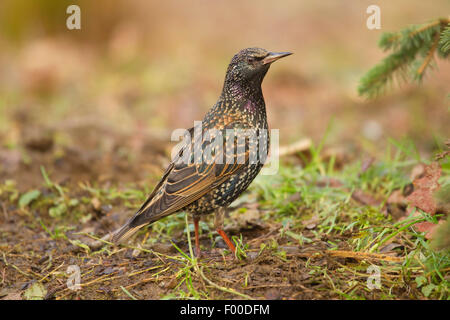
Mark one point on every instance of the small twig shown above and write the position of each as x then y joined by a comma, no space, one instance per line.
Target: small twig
363,255
15,267
348,254
142,271
264,236
270,286
430,54
425,27
99,241
152,278
421,29
331,281
298,146
229,290
128,293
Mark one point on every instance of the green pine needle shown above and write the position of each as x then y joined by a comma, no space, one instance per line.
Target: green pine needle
413,51
445,40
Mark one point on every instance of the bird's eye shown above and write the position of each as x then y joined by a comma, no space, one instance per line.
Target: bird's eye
253,59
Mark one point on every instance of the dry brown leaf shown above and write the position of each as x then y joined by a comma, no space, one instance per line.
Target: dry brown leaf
417,171
428,227
424,187
397,197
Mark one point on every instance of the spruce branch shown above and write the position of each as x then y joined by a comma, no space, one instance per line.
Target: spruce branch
428,58
413,50
445,40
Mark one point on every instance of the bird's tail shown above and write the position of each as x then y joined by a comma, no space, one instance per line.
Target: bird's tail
147,214
125,232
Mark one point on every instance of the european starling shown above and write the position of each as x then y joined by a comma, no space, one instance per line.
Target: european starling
200,186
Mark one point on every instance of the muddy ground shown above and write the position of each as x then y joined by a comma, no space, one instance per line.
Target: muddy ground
85,124
39,247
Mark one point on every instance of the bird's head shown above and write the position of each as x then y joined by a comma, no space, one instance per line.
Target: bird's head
249,66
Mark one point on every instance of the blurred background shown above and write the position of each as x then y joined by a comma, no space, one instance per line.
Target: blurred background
100,103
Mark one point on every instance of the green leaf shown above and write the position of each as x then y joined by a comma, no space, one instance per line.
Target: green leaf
80,244
47,180
86,218
36,291
58,211
421,280
302,239
73,202
28,197
427,290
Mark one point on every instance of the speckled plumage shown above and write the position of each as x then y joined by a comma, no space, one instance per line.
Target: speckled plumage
201,187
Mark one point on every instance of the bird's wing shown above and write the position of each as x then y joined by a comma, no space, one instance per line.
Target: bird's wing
184,182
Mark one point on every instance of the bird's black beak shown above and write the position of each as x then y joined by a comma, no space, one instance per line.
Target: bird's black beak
274,56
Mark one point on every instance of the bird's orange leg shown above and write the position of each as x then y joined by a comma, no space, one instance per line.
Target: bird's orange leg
227,240
218,224
197,242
